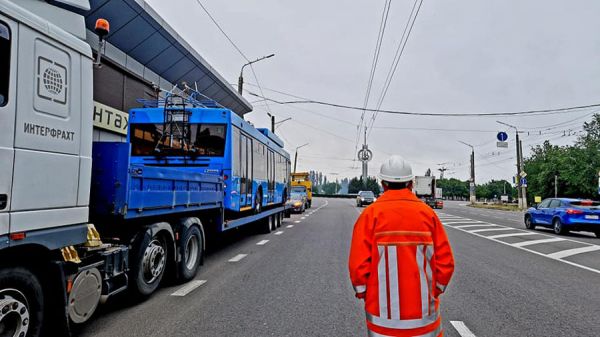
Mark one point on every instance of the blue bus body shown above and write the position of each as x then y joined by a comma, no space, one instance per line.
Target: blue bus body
252,162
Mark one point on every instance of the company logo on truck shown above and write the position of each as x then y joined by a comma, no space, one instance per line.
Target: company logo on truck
44,131
52,81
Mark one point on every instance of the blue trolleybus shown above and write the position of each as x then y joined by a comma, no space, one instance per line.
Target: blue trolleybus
252,161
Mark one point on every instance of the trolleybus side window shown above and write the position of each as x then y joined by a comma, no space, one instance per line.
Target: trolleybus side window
4,63
236,161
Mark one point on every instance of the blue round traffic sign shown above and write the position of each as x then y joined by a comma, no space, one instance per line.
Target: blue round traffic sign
502,136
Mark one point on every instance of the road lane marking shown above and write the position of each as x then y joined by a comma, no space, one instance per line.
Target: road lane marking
569,252
462,222
521,246
303,218
491,229
188,288
535,242
238,257
462,329
480,225
262,242
278,233
297,221
290,226
511,234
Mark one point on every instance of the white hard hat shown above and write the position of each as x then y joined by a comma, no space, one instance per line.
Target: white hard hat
396,169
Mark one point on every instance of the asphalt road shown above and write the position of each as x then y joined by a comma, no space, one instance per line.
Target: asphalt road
296,283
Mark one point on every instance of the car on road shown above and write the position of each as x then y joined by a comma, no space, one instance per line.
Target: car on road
365,198
298,202
564,215
434,203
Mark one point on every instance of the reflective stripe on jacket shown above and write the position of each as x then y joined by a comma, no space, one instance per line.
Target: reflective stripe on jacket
401,257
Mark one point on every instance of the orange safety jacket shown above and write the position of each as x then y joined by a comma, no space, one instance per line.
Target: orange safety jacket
401,260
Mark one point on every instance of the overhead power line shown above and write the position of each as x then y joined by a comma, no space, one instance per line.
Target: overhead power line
397,57
436,114
234,46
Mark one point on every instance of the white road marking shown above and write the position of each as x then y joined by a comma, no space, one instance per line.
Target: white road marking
521,246
262,242
480,225
491,229
238,257
303,218
523,233
462,222
290,226
535,242
569,252
188,288
462,329
279,233
297,221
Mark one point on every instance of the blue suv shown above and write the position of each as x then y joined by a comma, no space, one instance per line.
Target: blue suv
564,215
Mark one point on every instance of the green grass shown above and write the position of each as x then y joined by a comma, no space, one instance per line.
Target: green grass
513,208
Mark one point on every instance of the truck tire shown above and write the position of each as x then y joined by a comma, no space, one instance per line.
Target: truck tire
21,303
148,264
191,251
265,225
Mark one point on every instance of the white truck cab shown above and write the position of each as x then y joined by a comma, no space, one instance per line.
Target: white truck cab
45,113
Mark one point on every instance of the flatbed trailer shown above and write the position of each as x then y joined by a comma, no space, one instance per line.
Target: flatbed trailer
79,222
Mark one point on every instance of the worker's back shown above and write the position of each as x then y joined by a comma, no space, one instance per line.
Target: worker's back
400,253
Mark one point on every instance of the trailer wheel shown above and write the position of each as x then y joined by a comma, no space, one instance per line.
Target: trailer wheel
278,219
149,264
265,225
21,303
191,250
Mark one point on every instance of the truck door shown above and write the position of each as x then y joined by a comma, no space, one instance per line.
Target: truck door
52,132
8,67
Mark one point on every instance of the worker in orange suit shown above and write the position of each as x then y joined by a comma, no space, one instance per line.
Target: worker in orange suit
400,259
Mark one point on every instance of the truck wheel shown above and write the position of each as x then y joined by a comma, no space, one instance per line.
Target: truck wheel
265,225
149,264
278,219
21,303
191,250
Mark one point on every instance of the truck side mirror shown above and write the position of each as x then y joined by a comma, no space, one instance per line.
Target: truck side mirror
102,29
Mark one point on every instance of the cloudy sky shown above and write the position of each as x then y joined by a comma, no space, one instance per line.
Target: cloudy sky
465,56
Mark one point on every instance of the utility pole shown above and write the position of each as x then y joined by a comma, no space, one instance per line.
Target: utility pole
241,79
442,170
521,190
296,156
273,122
472,196
365,155
556,186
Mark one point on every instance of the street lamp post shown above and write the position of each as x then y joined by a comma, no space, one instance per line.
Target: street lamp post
273,121
472,196
296,156
522,190
241,79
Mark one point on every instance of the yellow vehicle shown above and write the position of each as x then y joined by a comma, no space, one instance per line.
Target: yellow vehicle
303,179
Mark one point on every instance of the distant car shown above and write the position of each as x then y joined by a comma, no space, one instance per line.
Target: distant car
365,198
434,203
298,202
564,215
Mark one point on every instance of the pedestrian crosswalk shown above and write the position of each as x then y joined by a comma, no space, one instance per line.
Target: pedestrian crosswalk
536,242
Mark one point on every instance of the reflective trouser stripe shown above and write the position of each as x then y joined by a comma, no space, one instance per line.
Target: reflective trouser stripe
382,278
423,280
360,289
393,286
384,322
434,333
